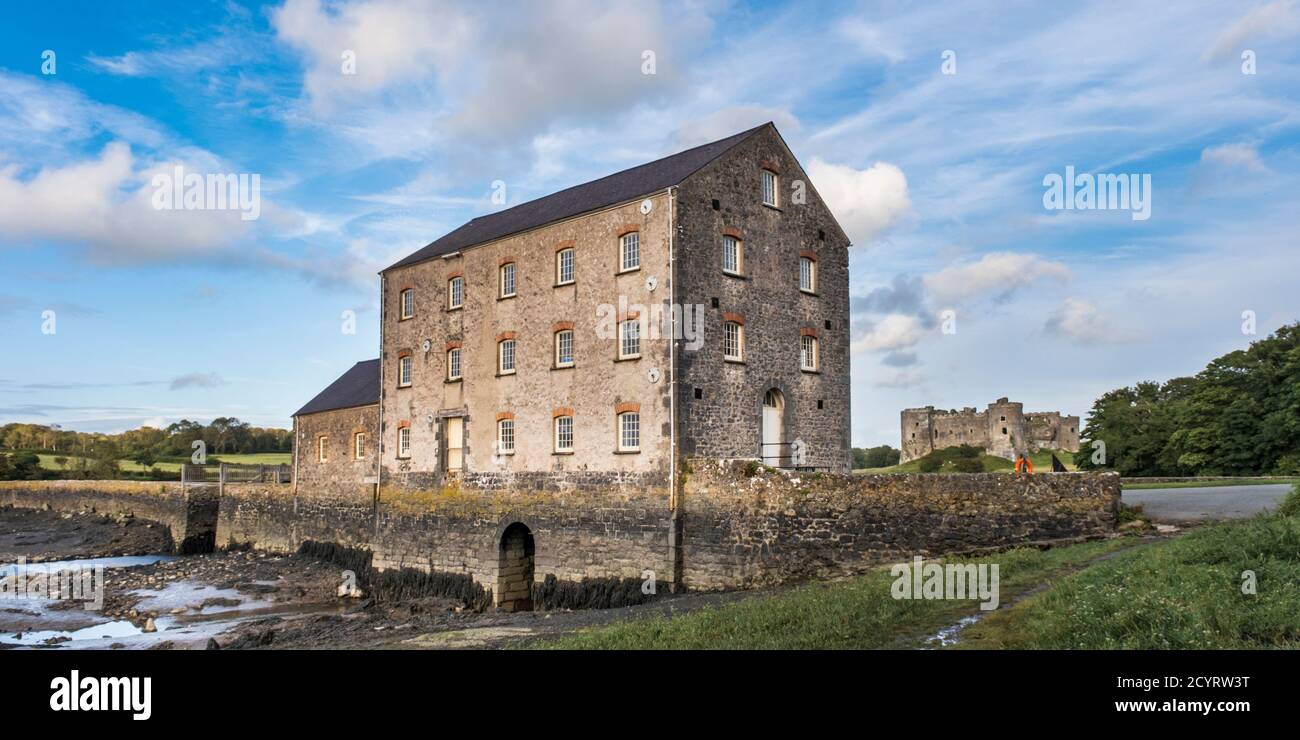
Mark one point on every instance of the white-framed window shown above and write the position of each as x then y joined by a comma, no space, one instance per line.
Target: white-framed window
733,259
733,340
508,280
456,292
506,436
629,338
404,371
408,303
453,363
629,251
564,348
769,188
322,448
359,445
506,356
808,352
564,434
808,275
404,442
564,266
629,431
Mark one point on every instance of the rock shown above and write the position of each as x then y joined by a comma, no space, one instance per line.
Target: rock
149,625
212,644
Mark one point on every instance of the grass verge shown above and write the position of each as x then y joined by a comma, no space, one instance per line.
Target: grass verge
852,613
1210,484
1187,593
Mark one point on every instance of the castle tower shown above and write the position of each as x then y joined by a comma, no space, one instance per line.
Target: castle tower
1006,425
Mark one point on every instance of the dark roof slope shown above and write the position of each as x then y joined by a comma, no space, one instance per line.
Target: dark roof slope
357,387
616,188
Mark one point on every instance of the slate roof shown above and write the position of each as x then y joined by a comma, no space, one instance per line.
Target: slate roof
359,386
619,187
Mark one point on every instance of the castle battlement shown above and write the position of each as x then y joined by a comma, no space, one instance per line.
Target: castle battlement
1004,428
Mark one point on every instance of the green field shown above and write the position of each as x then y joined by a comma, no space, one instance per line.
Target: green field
1041,460
173,466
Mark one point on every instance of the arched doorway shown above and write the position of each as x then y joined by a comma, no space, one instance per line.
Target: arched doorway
773,445
514,590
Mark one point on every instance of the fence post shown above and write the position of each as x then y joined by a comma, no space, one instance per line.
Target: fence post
221,479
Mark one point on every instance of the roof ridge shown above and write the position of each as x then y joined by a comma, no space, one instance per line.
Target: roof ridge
575,200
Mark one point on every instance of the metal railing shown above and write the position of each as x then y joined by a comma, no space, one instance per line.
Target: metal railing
233,473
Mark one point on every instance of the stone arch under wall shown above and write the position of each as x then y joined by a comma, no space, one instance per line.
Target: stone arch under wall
516,563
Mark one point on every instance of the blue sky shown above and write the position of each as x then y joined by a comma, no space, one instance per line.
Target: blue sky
938,178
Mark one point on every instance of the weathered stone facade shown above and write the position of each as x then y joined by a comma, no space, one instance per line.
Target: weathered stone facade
1003,429
348,460
724,422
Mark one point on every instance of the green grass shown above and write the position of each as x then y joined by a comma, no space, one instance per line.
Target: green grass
858,612
1209,484
173,466
1181,594
1041,460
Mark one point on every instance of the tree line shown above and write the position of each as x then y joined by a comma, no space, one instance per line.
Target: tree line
1238,416
97,452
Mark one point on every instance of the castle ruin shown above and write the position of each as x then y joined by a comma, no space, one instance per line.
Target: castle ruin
1003,429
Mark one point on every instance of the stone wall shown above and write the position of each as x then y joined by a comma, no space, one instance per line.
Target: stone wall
734,530
189,511
741,530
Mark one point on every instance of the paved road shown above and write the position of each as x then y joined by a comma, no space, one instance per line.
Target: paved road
1214,502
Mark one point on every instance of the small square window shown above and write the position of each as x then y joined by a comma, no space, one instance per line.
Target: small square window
827,324
769,188
506,436
404,371
508,280
629,333
733,341
820,403
564,348
715,302
808,353
716,205
699,393
629,432
630,251
564,434
453,364
506,356
807,275
456,292
564,267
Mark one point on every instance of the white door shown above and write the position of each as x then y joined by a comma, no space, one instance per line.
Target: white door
455,442
772,409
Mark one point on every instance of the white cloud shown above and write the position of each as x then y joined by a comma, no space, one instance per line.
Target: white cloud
866,202
897,379
1243,156
894,331
105,204
1079,319
393,41
733,120
997,273
1276,19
